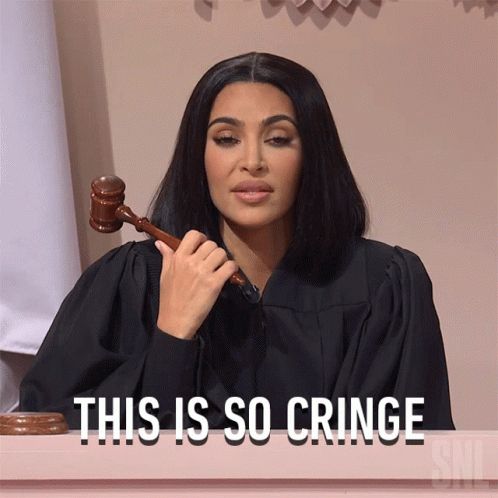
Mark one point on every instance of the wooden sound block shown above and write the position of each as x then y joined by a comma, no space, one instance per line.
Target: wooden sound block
32,423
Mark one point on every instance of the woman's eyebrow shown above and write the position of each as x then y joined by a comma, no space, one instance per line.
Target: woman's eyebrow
277,117
266,122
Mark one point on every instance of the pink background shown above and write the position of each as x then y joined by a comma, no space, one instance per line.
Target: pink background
412,86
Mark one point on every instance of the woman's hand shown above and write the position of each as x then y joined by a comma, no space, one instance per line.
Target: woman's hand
191,280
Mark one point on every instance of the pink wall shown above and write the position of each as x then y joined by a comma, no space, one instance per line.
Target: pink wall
412,86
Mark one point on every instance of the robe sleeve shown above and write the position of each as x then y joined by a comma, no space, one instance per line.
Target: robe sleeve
104,342
400,350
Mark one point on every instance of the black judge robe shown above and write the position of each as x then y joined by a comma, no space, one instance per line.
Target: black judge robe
370,331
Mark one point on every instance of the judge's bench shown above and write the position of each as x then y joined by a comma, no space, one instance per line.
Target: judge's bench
460,463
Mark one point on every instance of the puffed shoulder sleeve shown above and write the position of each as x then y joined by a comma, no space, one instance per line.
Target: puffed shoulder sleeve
104,342
401,352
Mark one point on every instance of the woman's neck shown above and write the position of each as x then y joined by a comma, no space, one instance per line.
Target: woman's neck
259,251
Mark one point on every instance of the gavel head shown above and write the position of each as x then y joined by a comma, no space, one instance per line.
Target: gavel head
107,195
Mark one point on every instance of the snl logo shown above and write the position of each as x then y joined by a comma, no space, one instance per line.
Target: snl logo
458,463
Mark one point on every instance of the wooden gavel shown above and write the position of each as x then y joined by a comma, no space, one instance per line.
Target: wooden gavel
108,213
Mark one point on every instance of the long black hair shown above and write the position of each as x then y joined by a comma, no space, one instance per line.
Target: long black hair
330,212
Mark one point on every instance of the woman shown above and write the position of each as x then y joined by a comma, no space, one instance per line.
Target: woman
259,177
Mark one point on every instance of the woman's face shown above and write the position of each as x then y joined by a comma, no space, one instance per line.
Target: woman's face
253,155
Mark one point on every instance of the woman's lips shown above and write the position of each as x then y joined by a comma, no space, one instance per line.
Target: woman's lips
252,197
252,191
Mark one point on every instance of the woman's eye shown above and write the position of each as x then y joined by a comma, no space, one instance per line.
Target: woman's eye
225,141
229,141
279,141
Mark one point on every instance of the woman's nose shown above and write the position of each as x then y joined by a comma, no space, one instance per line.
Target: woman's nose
252,159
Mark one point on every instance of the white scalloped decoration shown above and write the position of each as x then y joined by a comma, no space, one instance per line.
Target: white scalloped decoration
322,4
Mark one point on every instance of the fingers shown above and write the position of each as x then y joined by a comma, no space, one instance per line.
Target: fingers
163,248
227,270
190,242
205,249
203,254
215,259
166,253
210,256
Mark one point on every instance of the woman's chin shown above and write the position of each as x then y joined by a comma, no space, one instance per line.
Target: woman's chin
249,224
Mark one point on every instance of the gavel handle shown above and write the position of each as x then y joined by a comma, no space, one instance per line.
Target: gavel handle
125,214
